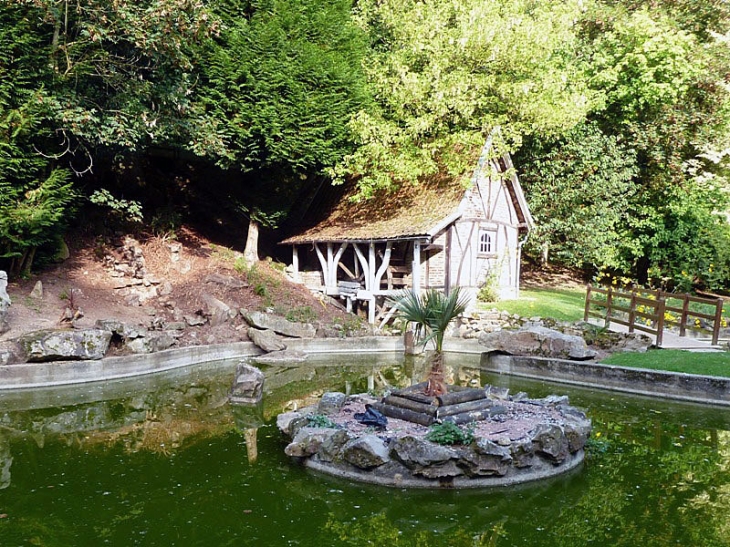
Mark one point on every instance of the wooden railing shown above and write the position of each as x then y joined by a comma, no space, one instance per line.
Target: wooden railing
651,312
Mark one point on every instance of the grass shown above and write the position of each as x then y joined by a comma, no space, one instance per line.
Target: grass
565,304
560,304
706,363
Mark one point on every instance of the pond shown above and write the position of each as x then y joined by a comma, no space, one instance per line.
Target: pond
165,460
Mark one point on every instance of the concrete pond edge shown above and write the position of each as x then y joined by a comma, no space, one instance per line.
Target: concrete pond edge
668,385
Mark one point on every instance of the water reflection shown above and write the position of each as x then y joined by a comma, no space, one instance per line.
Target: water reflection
166,460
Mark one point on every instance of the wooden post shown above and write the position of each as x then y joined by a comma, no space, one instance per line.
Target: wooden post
417,268
718,320
632,312
609,302
660,322
685,313
295,264
588,303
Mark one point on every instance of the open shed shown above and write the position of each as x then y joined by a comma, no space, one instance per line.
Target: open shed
440,233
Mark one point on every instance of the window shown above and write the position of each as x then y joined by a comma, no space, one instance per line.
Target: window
487,242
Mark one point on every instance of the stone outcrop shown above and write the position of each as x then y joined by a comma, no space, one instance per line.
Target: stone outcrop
248,386
554,444
538,341
267,339
278,324
4,303
61,345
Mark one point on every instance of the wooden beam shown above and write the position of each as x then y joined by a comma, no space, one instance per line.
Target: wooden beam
416,269
322,263
295,264
384,265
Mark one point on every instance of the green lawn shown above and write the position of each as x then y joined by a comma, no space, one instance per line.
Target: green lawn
560,304
707,363
568,305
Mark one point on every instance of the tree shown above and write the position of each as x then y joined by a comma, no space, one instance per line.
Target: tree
445,73
278,85
432,312
579,188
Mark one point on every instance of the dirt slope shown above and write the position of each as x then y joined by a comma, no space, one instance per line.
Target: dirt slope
179,275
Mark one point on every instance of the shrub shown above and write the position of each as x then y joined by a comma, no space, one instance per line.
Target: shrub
448,433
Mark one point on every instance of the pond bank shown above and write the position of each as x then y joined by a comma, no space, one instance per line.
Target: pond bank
686,387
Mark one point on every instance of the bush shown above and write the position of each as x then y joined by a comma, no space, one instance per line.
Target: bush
448,433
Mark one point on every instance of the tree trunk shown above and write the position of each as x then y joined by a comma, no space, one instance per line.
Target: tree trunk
435,382
251,252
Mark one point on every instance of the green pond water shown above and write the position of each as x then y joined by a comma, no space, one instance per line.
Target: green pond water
165,460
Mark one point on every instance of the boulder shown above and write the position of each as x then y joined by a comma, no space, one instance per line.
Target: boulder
279,324
37,291
219,312
539,341
308,441
123,330
550,442
59,345
331,402
420,453
4,303
151,342
267,340
366,452
278,357
248,387
485,458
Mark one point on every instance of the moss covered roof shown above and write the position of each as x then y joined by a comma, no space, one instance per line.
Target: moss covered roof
411,211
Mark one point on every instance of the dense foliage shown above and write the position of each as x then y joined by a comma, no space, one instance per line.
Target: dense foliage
617,114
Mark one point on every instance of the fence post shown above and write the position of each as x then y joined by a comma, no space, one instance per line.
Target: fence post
632,312
588,303
609,302
685,313
660,322
718,320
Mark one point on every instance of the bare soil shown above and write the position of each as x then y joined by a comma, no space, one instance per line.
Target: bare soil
183,266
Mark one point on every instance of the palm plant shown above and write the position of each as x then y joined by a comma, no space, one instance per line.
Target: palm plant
432,312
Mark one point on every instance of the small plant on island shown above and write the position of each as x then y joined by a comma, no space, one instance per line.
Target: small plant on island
448,433
320,420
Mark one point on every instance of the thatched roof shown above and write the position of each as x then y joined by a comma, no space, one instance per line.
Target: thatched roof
410,212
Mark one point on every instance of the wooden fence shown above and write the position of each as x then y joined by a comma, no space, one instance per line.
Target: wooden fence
651,312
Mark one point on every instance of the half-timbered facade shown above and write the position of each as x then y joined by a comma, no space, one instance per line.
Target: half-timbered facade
441,233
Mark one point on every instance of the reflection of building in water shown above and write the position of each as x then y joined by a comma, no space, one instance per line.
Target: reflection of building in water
6,460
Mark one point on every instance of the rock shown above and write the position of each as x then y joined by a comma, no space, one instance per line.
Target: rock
267,340
539,341
284,356
219,312
523,453
498,393
226,280
57,345
331,448
4,303
248,387
308,441
286,422
165,288
176,325
152,342
485,459
418,453
37,291
196,320
331,402
123,330
366,452
279,324
550,441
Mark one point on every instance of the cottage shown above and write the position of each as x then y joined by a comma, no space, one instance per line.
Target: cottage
443,232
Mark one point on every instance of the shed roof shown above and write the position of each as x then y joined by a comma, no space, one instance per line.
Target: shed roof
409,212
